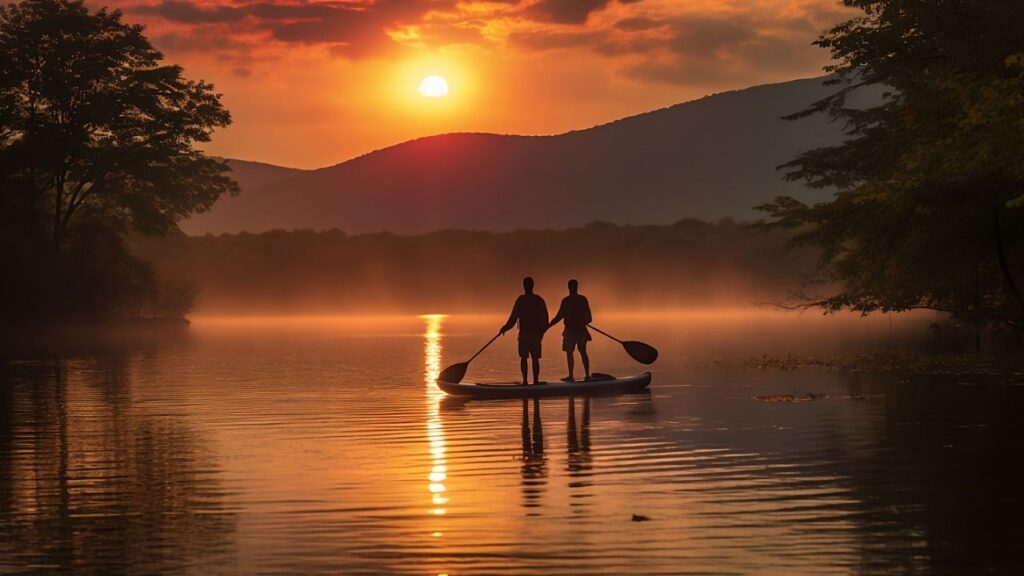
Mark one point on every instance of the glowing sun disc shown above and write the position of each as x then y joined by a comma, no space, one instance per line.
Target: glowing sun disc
434,86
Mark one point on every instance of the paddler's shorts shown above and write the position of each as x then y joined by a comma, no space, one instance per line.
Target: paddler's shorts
575,340
529,346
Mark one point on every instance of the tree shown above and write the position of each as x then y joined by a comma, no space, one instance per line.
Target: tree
929,183
93,127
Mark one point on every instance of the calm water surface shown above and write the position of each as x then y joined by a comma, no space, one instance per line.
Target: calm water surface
309,446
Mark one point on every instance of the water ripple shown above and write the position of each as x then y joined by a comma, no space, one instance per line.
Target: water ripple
290,453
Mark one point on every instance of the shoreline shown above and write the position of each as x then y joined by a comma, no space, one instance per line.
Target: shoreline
51,339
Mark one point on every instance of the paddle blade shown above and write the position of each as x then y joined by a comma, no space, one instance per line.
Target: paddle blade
454,373
642,353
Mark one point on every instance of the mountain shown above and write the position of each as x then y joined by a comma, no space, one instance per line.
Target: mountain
253,175
710,158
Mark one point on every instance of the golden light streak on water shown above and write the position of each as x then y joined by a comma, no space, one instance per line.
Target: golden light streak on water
435,431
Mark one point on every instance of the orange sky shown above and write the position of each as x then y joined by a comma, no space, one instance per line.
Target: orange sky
313,83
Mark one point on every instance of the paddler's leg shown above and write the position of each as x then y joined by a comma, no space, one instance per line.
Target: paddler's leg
586,359
567,346
534,351
524,353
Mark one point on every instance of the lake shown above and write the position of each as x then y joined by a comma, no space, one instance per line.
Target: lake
320,445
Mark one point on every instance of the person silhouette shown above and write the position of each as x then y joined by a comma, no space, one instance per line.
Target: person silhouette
531,313
575,312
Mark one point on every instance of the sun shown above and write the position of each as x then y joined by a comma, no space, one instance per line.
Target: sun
434,86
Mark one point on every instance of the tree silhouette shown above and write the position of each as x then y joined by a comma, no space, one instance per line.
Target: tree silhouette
928,209
96,134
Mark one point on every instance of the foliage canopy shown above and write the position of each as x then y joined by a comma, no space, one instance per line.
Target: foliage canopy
97,139
929,185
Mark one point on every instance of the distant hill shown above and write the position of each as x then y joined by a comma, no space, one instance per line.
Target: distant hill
709,158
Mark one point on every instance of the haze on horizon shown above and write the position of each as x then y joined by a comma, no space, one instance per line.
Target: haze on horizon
310,84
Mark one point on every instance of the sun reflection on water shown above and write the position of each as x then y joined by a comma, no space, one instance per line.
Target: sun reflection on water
435,430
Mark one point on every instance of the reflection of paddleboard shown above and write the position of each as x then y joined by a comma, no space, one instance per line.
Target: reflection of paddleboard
600,384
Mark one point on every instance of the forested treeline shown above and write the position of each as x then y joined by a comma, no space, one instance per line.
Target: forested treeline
691,263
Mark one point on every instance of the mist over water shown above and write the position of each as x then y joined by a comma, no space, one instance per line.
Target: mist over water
690,264
321,445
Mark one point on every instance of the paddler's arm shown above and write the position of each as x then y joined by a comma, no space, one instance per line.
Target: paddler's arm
512,319
559,316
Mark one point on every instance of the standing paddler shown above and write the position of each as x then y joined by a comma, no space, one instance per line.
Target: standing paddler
531,313
575,312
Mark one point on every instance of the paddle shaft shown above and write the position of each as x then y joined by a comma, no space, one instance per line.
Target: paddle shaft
489,342
605,333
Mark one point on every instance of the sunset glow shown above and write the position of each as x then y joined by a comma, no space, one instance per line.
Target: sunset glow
337,80
511,287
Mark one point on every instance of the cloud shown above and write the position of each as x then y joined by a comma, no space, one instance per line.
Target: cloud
552,40
639,23
697,35
189,13
655,41
356,28
564,11
192,40
699,47
708,48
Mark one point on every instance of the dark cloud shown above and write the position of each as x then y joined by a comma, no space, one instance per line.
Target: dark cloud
564,11
552,40
630,45
199,40
702,49
697,48
189,13
347,27
703,35
639,23
684,48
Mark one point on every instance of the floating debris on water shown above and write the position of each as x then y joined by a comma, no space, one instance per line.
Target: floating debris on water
920,364
809,397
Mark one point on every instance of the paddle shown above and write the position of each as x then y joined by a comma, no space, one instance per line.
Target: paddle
642,353
456,372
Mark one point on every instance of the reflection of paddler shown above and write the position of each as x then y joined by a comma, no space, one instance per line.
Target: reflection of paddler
531,313
578,444
575,312
585,429
533,468
572,442
533,444
538,430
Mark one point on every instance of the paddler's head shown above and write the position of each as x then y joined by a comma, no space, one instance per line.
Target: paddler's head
528,285
573,286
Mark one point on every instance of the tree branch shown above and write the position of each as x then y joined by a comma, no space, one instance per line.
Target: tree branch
79,196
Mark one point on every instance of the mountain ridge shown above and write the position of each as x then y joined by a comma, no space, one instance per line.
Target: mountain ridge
708,158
